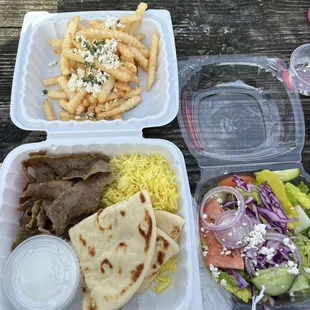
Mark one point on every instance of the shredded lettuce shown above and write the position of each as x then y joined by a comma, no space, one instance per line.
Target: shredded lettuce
301,284
303,187
253,193
303,244
304,221
163,278
232,286
295,196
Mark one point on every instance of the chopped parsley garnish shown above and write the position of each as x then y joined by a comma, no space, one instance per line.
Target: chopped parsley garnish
44,92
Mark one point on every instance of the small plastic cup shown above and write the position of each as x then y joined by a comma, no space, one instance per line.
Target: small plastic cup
42,273
300,69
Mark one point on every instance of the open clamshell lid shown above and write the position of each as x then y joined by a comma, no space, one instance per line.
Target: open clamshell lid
239,109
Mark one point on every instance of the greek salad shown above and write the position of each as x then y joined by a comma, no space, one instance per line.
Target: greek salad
255,235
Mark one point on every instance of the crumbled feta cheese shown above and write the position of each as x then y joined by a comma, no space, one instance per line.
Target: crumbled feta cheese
242,255
52,63
268,252
82,40
91,83
202,229
87,56
223,282
204,253
107,56
256,236
205,216
219,200
214,270
286,241
225,251
292,268
290,263
244,224
103,51
112,23
230,234
292,294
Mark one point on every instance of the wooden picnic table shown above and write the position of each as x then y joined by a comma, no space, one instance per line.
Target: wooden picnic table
201,27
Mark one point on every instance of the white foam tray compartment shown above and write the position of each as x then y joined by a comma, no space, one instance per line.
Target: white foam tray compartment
159,105
184,292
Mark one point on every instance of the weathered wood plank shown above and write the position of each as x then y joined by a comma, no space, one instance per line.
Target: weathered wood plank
12,12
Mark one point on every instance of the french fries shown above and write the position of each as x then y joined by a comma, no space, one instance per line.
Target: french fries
50,81
134,92
142,61
140,36
152,61
72,29
127,105
55,42
125,52
97,63
127,19
63,83
106,89
49,111
57,94
75,102
99,34
139,12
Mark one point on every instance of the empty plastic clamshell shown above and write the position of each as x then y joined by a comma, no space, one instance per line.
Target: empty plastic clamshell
238,114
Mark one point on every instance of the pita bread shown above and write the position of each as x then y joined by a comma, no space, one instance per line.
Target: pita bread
115,247
170,223
166,247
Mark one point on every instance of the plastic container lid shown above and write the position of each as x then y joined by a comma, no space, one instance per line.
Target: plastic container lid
237,110
300,69
42,273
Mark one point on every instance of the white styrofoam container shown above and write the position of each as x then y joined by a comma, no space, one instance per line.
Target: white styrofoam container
159,106
181,294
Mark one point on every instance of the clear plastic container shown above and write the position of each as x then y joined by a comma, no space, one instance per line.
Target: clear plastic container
113,138
240,114
42,273
300,68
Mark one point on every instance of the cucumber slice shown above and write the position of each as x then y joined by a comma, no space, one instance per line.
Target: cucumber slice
285,175
277,281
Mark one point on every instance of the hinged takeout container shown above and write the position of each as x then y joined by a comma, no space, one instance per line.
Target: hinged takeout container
159,107
240,113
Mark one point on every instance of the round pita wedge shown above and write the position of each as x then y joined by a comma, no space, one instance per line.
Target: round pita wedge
166,247
170,223
115,247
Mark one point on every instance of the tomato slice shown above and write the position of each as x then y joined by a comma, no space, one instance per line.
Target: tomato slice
215,258
213,210
229,182
207,236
